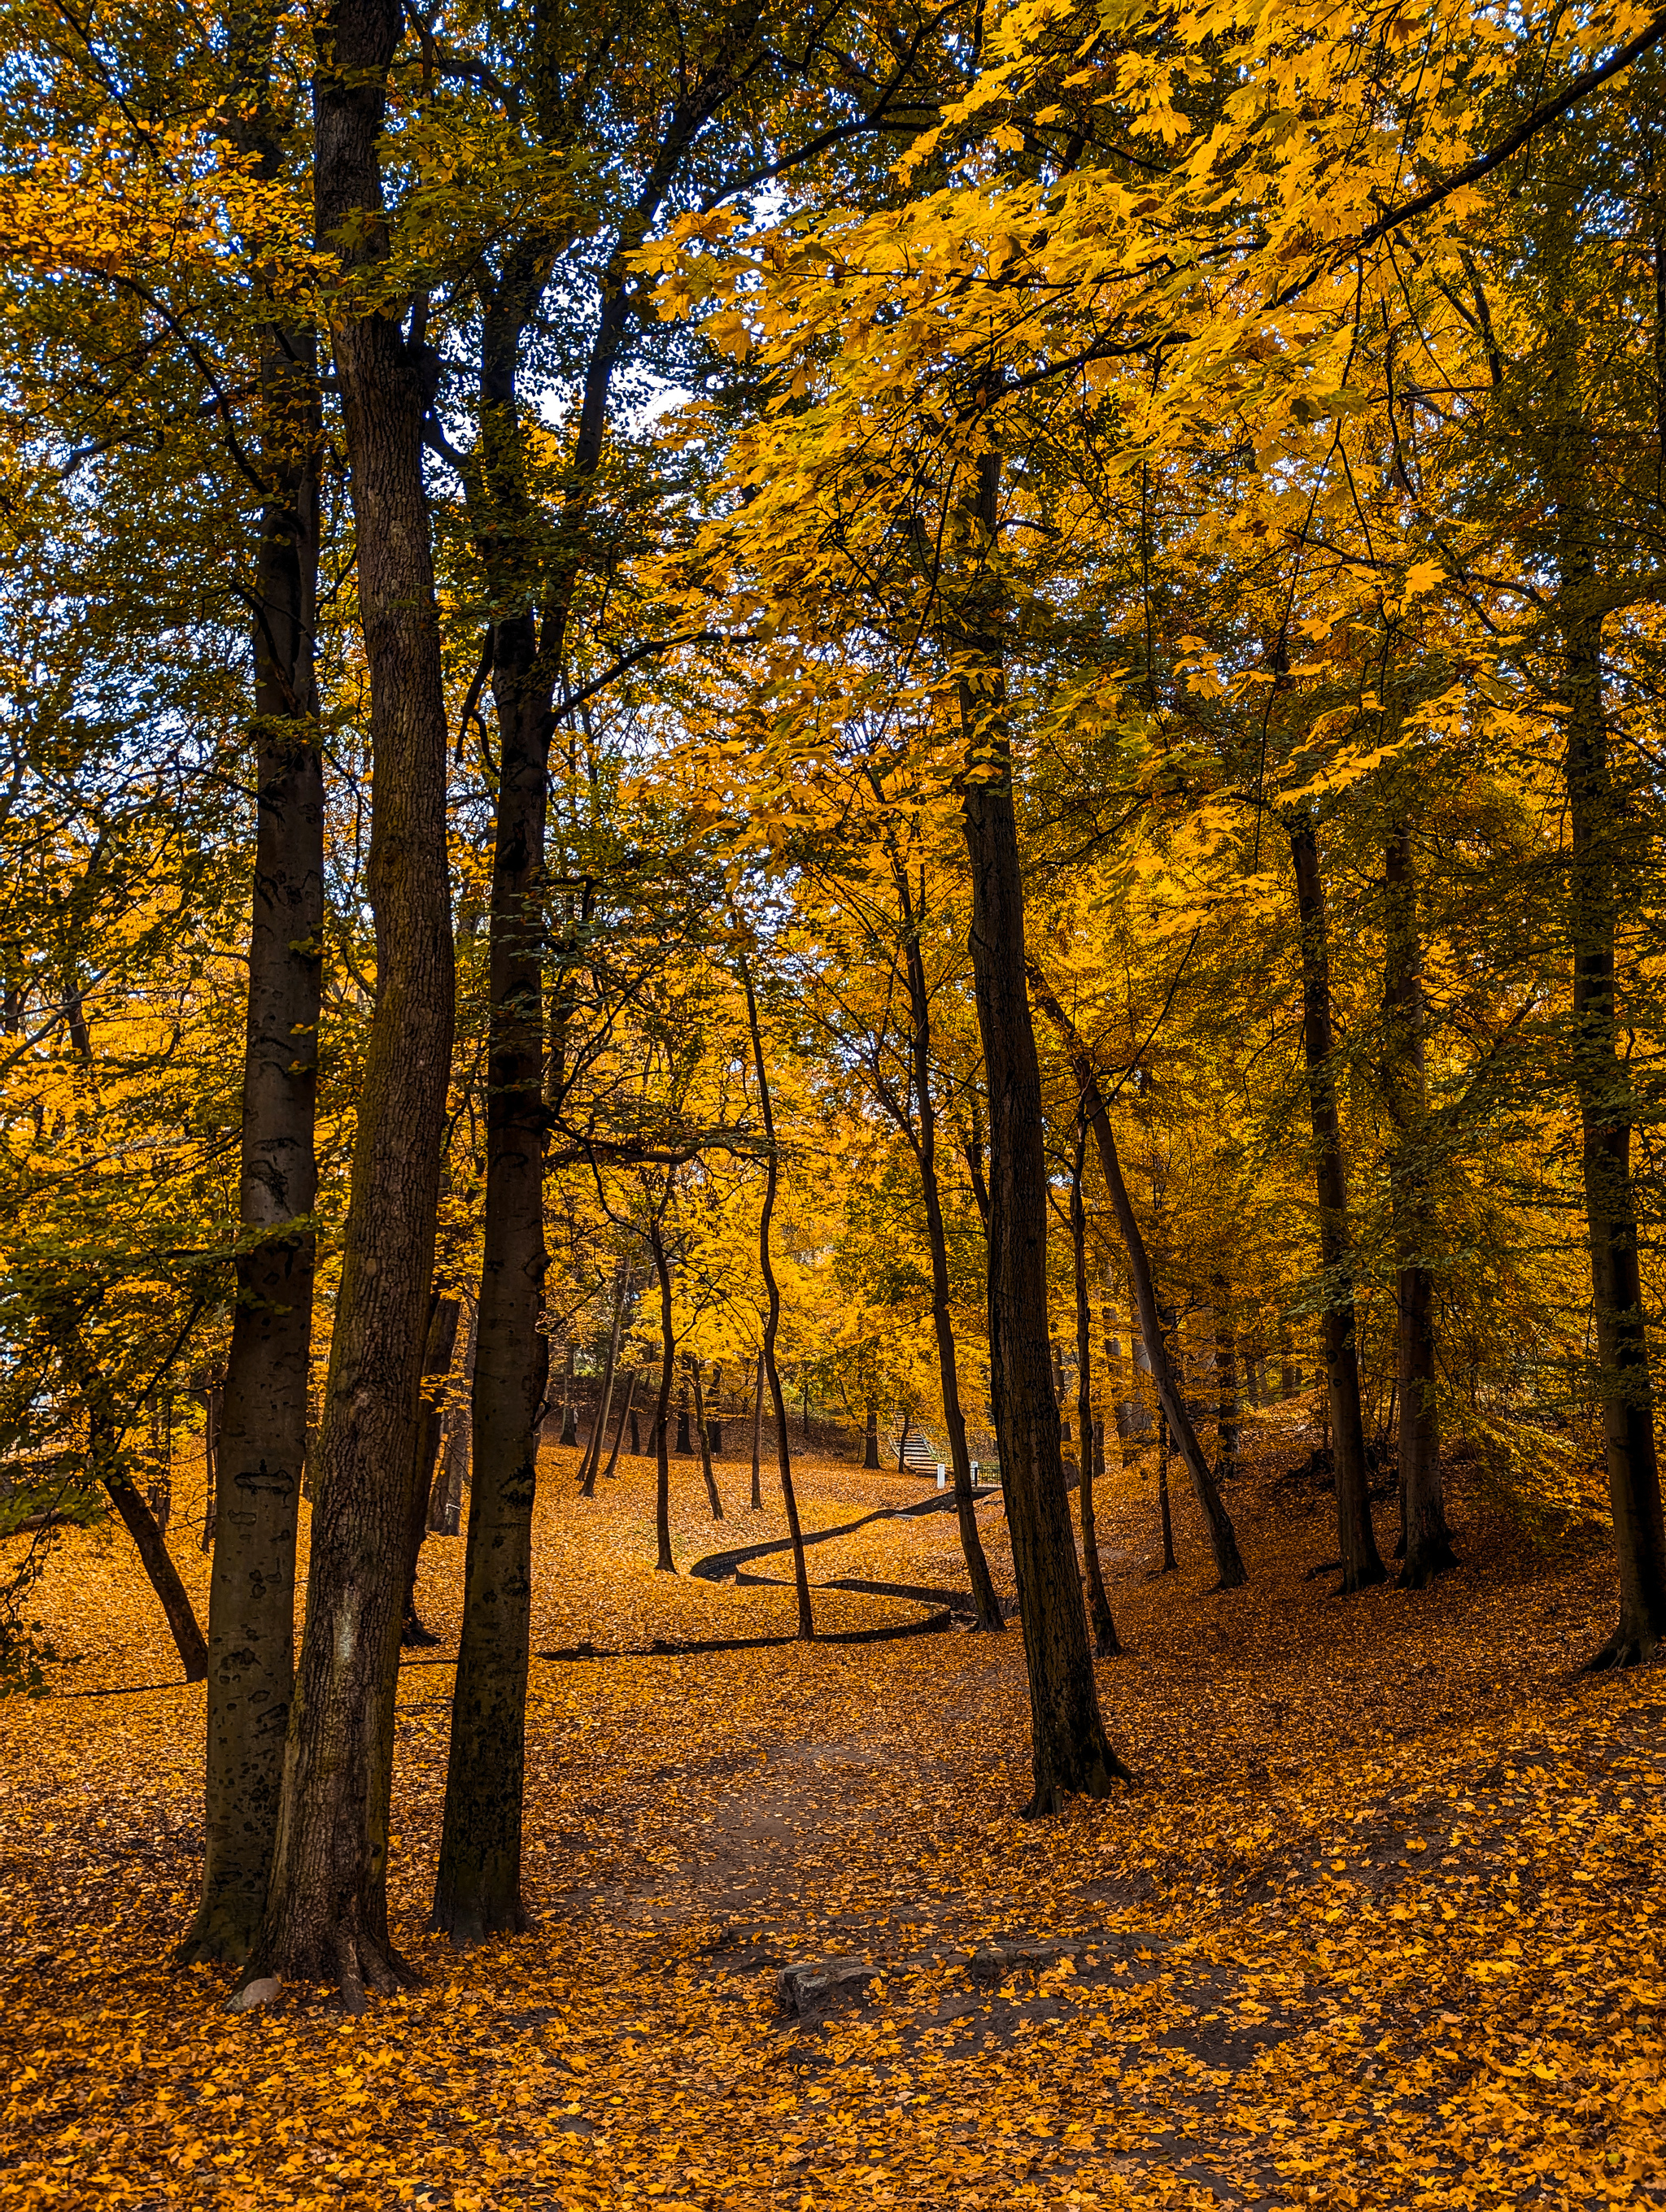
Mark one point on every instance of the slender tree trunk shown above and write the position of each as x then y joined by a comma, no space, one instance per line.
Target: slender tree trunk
1125,1409
664,1564
870,1441
1601,1078
716,1503
592,1454
327,1911
1226,1381
772,1319
684,1441
1223,1539
1106,1645
477,1883
445,1500
437,1354
570,1412
627,1413
757,1439
213,1400
923,1142
1169,1563
1426,1542
106,1463
1356,1539
1070,1751
164,1575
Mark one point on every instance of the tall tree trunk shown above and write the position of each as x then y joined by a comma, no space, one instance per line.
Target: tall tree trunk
1226,1381
327,1911
1170,1563
477,1890
1426,1543
1223,1538
664,1564
714,1501
262,1440
923,1142
437,1354
1355,1537
870,1441
1069,1749
757,1439
1106,1644
1601,1078
772,1318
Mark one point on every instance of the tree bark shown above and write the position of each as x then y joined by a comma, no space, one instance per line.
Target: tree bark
870,1441
1106,1643
772,1318
437,1354
1425,1548
1223,1538
716,1502
326,1912
1070,1751
1356,1539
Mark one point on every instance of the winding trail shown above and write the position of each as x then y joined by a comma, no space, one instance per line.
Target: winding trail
719,1564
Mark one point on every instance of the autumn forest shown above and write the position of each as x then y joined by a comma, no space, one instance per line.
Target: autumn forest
832,1009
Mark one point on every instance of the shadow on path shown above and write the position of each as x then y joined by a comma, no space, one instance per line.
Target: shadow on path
661,1648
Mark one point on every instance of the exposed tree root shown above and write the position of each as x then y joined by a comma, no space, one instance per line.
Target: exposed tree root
1424,1565
1628,1646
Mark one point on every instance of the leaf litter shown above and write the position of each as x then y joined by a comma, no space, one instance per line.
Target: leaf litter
1378,1925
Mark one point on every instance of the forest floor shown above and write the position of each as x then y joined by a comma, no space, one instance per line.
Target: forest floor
1379,1923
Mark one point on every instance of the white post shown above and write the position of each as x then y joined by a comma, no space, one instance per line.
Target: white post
939,1475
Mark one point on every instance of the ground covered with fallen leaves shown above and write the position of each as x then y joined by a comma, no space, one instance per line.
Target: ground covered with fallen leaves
1379,1923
